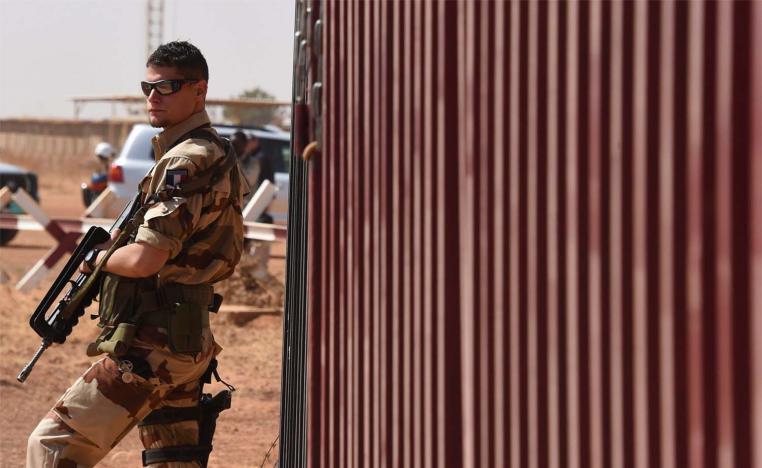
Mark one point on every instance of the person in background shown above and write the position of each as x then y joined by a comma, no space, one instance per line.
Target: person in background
265,170
249,166
255,152
239,140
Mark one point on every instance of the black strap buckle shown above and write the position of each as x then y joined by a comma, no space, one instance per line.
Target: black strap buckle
214,307
171,415
178,453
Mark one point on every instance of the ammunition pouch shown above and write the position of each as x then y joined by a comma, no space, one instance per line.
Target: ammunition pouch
126,304
119,313
183,310
120,298
118,342
206,413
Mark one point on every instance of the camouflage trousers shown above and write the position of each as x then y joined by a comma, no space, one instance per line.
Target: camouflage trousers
106,402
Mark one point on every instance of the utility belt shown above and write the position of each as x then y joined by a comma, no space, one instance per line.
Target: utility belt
129,303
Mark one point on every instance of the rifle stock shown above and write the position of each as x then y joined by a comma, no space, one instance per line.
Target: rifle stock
55,326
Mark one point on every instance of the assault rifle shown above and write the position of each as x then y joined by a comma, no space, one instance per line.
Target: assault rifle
55,326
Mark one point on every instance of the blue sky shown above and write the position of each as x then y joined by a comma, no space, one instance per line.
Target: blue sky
53,50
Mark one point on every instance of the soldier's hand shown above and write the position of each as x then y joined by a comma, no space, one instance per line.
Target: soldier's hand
110,242
91,259
84,268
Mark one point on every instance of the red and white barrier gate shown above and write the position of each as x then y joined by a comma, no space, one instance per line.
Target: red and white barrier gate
66,241
66,231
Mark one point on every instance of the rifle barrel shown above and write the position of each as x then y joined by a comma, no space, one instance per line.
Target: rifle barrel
28,368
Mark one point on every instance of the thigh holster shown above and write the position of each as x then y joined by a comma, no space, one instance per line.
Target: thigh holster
206,412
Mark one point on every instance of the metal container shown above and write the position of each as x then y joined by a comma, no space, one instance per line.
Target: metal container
532,236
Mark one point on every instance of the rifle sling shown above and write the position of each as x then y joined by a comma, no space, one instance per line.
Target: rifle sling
206,178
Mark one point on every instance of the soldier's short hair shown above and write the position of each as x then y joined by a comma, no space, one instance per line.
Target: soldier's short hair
182,55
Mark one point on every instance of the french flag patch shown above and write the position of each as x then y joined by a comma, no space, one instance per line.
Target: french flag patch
176,177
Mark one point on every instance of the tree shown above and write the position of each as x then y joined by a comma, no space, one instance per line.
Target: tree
252,116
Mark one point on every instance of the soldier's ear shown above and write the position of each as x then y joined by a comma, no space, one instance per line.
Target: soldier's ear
201,88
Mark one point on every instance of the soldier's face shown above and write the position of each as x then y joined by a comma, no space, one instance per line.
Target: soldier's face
168,110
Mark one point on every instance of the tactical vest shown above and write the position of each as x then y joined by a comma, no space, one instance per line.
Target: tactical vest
183,310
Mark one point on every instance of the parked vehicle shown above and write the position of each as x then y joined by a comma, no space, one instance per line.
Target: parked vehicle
14,177
136,159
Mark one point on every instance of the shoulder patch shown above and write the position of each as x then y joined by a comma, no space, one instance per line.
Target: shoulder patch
175,177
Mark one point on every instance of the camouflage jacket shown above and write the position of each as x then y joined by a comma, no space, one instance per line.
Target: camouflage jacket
202,232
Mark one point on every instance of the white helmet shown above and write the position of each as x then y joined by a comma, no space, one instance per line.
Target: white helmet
104,150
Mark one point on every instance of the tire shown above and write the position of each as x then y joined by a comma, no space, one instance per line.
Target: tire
7,235
87,197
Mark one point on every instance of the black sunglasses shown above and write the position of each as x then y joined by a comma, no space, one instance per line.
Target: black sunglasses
163,87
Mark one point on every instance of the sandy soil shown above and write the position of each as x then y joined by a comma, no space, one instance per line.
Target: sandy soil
250,360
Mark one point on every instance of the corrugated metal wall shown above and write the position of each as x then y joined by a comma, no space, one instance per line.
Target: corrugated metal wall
534,234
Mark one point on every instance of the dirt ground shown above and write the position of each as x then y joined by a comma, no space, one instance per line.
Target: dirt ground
250,360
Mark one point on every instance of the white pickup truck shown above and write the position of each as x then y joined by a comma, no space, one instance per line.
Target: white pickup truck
136,158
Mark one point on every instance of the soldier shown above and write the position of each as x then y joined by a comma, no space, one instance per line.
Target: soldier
156,293
249,165
239,140
258,166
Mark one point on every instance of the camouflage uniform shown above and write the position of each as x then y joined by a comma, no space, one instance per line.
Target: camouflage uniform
204,236
251,168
